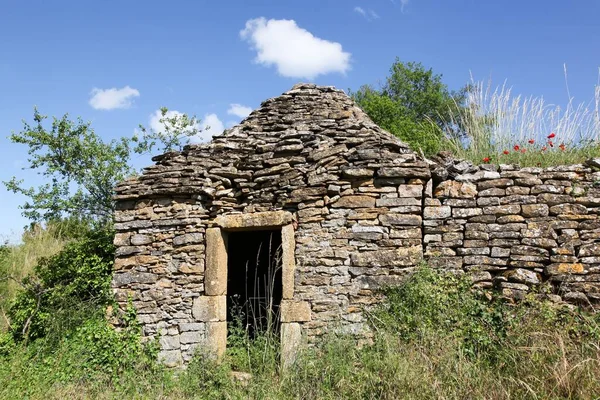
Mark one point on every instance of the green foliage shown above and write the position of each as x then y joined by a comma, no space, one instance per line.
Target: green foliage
433,304
94,353
176,131
433,338
413,104
65,287
82,169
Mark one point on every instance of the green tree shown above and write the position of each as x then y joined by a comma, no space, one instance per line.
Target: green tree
81,169
415,105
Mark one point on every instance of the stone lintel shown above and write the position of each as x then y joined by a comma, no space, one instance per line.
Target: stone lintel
267,219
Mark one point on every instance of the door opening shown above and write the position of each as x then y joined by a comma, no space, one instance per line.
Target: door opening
254,283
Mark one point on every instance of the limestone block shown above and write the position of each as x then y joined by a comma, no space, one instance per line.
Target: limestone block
192,337
400,219
466,212
520,275
354,202
415,191
404,256
210,308
589,250
295,311
215,276
398,202
288,261
169,342
454,189
291,340
216,339
170,358
565,268
253,220
568,209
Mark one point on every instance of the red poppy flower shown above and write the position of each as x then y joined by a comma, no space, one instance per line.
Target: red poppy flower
523,150
531,141
505,152
550,143
486,159
562,146
552,135
544,148
517,147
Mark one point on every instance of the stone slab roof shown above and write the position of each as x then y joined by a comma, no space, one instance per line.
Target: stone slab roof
306,125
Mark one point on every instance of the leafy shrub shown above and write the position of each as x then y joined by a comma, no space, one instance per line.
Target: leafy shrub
65,287
414,105
433,303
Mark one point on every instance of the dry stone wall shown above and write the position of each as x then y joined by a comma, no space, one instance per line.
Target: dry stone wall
515,229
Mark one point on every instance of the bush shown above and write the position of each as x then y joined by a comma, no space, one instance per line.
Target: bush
65,288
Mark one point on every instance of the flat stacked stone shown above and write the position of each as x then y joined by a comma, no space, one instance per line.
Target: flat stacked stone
354,190
516,228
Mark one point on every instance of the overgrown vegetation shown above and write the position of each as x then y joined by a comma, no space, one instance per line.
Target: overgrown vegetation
503,128
415,105
479,122
81,169
434,338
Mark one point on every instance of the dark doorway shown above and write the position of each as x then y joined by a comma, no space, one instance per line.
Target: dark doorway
254,286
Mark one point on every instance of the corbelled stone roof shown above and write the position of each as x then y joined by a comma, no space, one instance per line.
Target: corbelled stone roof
307,128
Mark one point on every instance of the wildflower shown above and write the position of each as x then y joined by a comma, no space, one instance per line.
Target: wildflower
562,147
544,148
550,143
552,135
531,141
517,147
486,159
523,150
505,152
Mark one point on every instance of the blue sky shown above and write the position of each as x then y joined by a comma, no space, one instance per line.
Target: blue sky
202,57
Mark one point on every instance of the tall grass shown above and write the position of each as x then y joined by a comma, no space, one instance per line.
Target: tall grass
19,260
434,339
496,120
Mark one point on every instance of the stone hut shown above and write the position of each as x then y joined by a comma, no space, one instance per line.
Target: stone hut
291,219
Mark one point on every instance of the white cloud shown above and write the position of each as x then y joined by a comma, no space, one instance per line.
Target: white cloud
109,99
295,52
239,110
361,11
403,4
210,125
369,14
